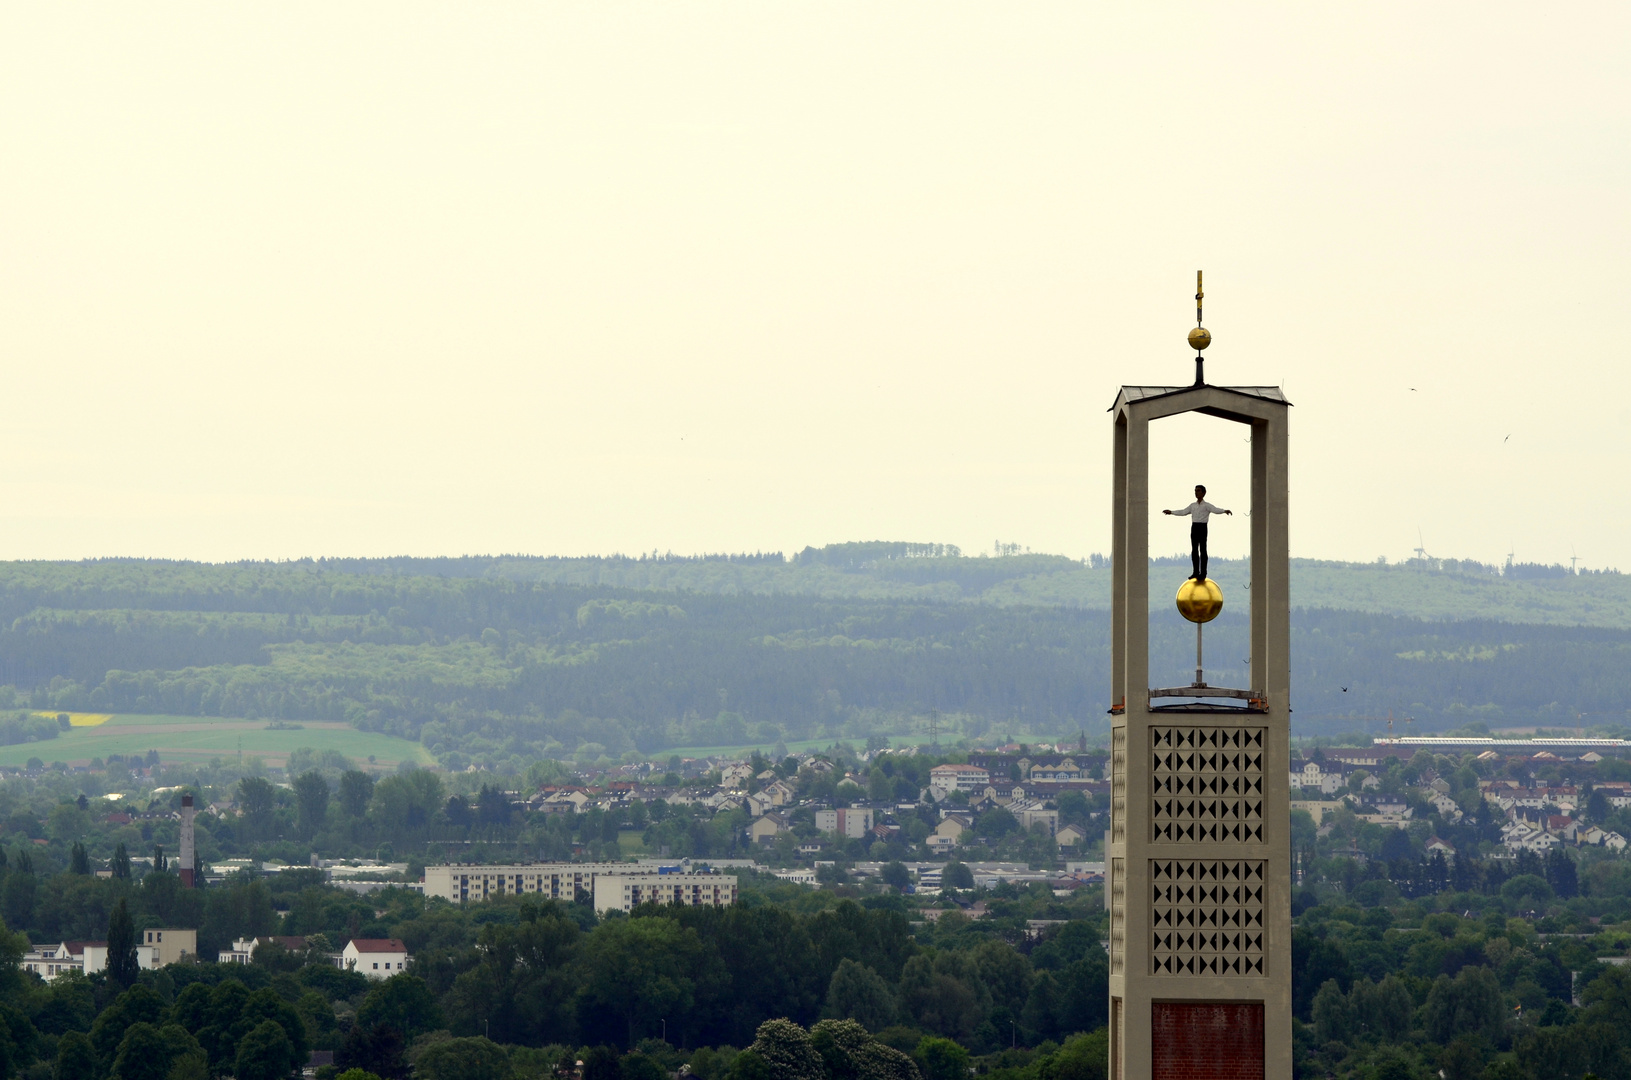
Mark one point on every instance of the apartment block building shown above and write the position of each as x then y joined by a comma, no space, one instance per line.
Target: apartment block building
625,891
944,779
462,882
853,822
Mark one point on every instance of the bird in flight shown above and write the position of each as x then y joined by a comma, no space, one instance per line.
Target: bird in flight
1508,437
1344,689
1412,389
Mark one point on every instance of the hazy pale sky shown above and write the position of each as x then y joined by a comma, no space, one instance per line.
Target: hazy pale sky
302,279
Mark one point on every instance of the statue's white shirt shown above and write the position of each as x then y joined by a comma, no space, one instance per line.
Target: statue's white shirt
1198,511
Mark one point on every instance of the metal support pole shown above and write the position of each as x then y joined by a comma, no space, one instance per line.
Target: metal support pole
1199,680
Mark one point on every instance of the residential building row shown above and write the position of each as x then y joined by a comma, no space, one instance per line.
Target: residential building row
1539,816
609,886
157,947
954,829
377,958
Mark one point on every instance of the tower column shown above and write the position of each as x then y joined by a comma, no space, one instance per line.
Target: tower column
1198,852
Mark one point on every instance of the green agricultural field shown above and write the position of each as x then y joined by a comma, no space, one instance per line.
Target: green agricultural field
200,738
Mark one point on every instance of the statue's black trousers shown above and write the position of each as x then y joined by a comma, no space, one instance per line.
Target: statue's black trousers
1197,548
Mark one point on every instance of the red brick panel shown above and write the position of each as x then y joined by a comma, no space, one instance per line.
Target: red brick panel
1193,1041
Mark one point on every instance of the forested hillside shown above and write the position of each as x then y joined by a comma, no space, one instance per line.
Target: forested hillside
1440,589
499,660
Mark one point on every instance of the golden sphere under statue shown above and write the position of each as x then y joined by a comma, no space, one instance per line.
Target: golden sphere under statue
1199,601
1200,338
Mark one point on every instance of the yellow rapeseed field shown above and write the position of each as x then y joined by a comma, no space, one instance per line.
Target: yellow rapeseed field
81,719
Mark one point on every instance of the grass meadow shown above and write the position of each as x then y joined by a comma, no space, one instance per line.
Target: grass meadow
200,738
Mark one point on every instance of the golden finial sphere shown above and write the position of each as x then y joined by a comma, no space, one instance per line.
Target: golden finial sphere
1200,338
1199,601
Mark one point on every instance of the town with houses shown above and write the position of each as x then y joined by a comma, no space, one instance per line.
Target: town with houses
1539,797
1540,800
1013,814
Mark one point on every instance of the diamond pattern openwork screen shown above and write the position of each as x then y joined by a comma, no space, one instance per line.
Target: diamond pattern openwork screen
1207,917
1118,785
1207,784
1118,914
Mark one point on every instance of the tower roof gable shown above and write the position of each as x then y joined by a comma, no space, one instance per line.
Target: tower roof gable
1130,394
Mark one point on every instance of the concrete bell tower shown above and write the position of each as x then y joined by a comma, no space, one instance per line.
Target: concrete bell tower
1198,857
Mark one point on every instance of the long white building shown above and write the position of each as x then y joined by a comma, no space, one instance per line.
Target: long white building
610,886
461,882
1510,746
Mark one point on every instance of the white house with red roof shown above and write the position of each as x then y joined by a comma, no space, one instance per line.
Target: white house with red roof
377,958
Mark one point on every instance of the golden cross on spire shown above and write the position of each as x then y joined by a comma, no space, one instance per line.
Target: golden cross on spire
1200,337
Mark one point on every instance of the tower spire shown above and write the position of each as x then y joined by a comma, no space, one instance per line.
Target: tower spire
1200,337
